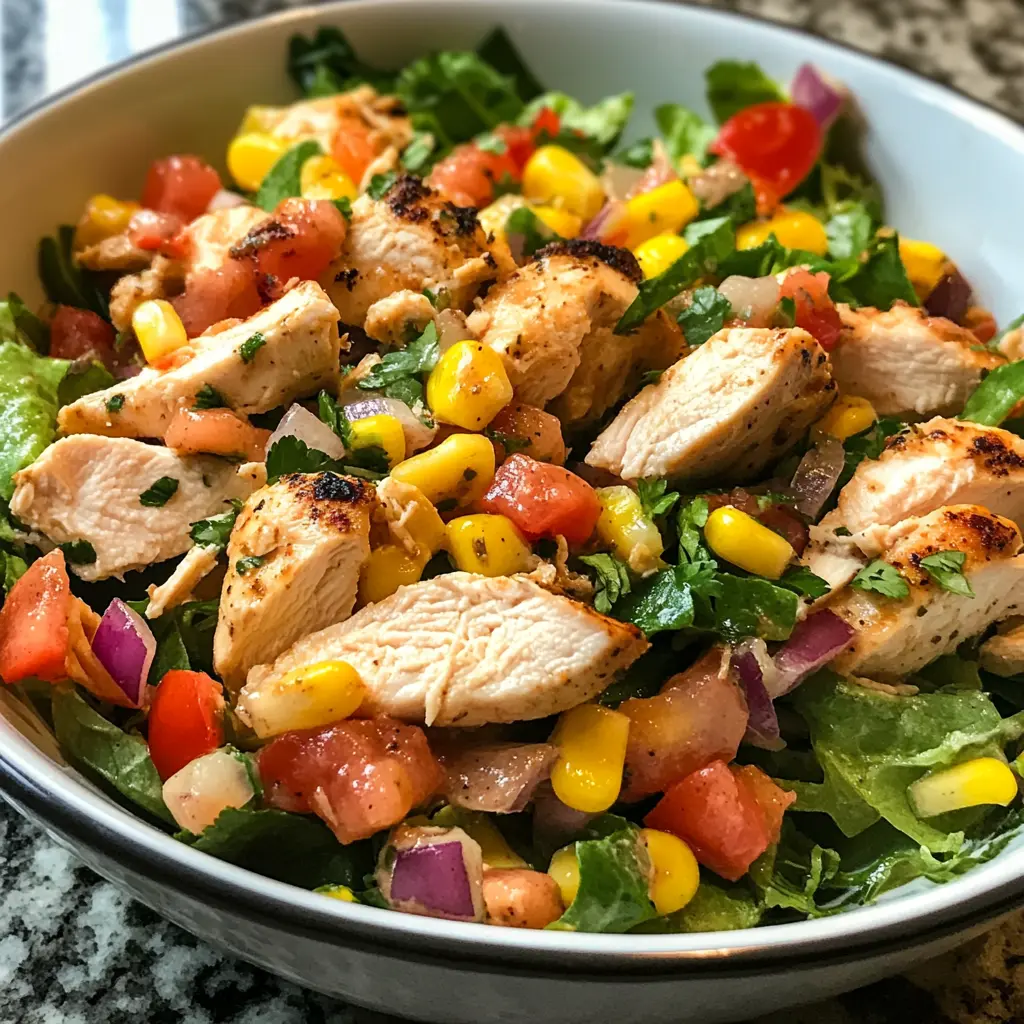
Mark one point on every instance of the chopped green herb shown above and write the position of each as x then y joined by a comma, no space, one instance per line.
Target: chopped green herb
995,397
282,181
849,230
161,492
882,578
214,531
650,377
416,157
947,569
692,518
785,314
488,142
248,349
325,64
653,497
64,281
733,85
18,323
115,403
684,132
512,443
611,580
639,154
803,581
601,125
208,397
881,278
380,184
705,315
291,455
78,552
414,361
526,232
344,206
244,566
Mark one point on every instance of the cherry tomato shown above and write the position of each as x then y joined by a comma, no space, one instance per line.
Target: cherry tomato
715,812
352,148
79,332
543,500
360,775
212,295
185,720
775,144
183,185
34,622
816,313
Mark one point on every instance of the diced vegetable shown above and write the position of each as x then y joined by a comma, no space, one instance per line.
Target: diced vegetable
555,176
591,742
77,333
742,540
458,471
185,720
125,646
104,217
657,254
950,298
525,428
924,264
750,661
518,898
794,229
675,871
812,89
624,527
668,208
323,178
196,794
311,430
499,778
849,415
815,312
183,185
489,545
383,432
159,329
217,432
565,870
812,644
468,386
388,567
34,623
818,472
975,783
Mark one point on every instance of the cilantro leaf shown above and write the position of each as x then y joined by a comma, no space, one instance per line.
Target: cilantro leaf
417,359
248,349
664,601
83,378
947,569
882,279
639,154
805,582
526,232
417,156
692,519
115,403
882,578
208,397
868,444
159,492
704,316
995,397
611,580
282,181
344,206
214,531
512,443
849,230
653,497
733,85
325,64
244,566
78,552
746,606
291,455
684,132
602,123
334,416
380,184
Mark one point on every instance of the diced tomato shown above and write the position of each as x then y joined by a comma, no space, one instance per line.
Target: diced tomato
212,295
543,500
185,720
773,800
468,174
215,432
75,333
716,814
183,185
981,323
352,148
546,125
34,622
816,313
359,775
541,431
158,232
775,144
699,716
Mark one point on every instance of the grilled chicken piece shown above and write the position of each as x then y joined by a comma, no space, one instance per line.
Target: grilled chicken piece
410,239
466,650
294,559
211,236
907,363
163,278
896,637
198,563
553,321
298,356
1003,654
88,487
115,253
729,409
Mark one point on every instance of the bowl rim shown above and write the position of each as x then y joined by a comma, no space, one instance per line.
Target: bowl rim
78,811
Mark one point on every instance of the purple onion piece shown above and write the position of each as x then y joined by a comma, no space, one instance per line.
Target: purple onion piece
124,645
606,220
813,91
950,297
813,644
816,476
763,724
496,778
433,877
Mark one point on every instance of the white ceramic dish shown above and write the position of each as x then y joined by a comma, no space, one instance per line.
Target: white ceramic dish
951,171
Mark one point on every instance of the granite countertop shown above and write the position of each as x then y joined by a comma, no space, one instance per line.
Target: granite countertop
73,949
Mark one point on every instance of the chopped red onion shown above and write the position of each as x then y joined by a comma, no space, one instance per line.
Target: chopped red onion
124,645
311,430
950,297
498,778
617,180
360,404
763,724
816,475
753,299
659,172
815,91
451,328
716,183
609,221
813,644
554,823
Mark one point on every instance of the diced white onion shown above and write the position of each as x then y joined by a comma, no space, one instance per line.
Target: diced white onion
196,794
360,404
753,299
311,430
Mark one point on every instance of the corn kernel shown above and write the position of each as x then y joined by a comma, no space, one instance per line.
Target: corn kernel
924,263
488,545
663,210
104,217
565,870
562,222
676,874
380,431
305,698
742,540
338,892
321,177
158,328
849,415
657,254
554,176
260,119
469,386
385,570
250,157
793,228
458,471
494,216
624,528
412,521
984,780
591,741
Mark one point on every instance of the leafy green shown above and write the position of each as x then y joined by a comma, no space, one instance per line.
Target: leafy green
78,552
208,397
603,122
282,181
405,365
733,85
159,492
289,454
512,443
655,497
684,132
244,566
380,184
868,444
849,230
789,875
526,232
881,278
663,601
326,64
418,155
946,568
690,521
63,280
705,315
805,582
83,379
1017,321
103,750
717,906
638,154
115,403
611,580
248,349
18,323
498,50
12,568
760,261
740,207
214,531
746,606
184,637
994,398
882,578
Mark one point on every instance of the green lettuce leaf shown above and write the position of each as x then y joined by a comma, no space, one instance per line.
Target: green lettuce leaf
18,323
282,181
882,279
789,875
733,85
604,122
325,64
683,131
83,380
717,906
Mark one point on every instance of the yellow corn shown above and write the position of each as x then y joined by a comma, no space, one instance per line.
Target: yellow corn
381,431
742,540
488,545
562,222
849,415
565,870
260,119
591,741
419,519
385,570
675,870
304,698
104,217
663,210
458,471
793,228
494,216
158,328
469,386
985,780
657,254
923,262
338,892
322,178
554,176
250,157
624,528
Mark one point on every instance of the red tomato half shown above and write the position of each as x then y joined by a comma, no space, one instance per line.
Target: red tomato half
360,775
180,184
185,720
34,622
543,500
816,313
715,812
78,332
775,144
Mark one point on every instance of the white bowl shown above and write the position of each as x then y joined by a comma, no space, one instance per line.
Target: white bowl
951,170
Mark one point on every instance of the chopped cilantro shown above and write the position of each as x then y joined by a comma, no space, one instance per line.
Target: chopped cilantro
248,349
691,520
344,206
214,531
405,366
159,493
78,552
705,315
805,582
512,443
246,565
946,568
882,578
380,184
653,497
611,580
208,397
115,403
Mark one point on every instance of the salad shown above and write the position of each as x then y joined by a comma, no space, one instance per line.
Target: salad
456,510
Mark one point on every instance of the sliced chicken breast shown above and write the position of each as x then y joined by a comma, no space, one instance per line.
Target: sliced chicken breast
896,637
465,650
294,559
553,322
298,355
88,487
198,563
1003,653
907,363
729,409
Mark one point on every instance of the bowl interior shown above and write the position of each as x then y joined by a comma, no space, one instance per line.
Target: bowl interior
948,166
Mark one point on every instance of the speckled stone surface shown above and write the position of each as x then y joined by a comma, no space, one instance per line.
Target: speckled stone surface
73,949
